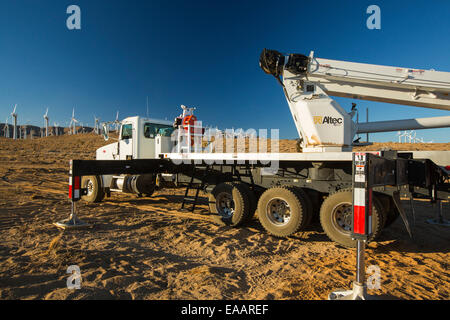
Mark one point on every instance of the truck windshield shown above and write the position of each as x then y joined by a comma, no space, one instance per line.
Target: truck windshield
152,129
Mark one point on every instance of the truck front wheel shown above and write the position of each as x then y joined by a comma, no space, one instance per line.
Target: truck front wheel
95,192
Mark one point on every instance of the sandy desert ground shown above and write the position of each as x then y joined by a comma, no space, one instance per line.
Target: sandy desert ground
148,249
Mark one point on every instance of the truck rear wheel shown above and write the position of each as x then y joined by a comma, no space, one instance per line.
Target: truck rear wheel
392,215
282,211
252,201
390,208
336,218
95,192
309,206
229,204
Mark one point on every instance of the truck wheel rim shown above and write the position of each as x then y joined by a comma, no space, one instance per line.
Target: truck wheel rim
278,211
90,187
225,204
342,217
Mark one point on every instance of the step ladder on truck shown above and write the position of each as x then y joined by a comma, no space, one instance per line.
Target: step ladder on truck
313,183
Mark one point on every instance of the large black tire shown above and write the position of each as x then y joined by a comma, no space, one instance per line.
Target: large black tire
390,208
309,206
229,204
282,211
336,214
252,201
392,215
316,200
95,189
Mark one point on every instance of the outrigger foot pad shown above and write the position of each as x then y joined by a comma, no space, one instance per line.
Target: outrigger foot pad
439,220
72,223
359,292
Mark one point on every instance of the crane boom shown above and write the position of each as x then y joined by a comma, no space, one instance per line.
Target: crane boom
323,125
406,86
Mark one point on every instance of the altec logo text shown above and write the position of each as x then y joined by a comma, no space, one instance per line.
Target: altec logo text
327,120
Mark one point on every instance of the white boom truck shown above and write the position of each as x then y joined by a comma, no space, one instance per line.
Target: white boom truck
313,183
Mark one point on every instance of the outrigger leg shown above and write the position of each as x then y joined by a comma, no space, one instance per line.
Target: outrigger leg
359,291
72,222
75,193
439,220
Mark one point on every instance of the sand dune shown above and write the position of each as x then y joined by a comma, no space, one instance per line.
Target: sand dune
146,248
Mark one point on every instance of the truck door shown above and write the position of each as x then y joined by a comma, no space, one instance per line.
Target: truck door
126,141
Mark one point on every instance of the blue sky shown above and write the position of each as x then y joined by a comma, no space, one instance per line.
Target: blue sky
203,54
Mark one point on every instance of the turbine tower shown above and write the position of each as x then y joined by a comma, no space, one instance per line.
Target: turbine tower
117,122
73,122
6,128
46,122
14,115
96,127
56,128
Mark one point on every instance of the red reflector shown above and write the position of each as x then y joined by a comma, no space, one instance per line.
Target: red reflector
359,219
447,168
76,182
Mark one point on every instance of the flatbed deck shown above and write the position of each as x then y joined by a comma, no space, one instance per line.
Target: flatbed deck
261,157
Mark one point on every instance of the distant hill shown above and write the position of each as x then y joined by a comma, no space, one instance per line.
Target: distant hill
31,131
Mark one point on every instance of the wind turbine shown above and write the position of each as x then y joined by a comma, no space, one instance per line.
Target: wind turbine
412,136
6,128
73,122
46,122
117,122
56,128
14,115
24,135
96,124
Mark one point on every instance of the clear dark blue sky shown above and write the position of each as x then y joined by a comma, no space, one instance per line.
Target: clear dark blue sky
203,54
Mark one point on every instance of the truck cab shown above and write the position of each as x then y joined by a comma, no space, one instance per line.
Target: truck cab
139,138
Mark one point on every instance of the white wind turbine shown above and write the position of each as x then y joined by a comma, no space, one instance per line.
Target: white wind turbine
117,122
96,126
6,128
412,136
46,122
73,122
56,128
14,115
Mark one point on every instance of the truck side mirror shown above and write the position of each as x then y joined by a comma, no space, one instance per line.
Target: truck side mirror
105,131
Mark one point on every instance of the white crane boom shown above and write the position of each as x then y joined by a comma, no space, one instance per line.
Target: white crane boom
406,86
323,125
